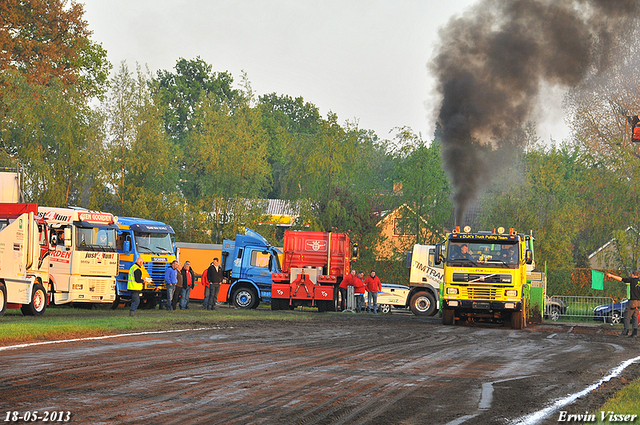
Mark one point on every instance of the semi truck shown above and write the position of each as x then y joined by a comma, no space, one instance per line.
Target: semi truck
425,278
154,242
83,261
247,264
314,264
24,269
485,276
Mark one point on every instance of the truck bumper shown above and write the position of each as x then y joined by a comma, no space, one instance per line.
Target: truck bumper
474,305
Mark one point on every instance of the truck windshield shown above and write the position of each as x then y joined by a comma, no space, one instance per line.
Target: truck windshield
95,239
156,243
483,254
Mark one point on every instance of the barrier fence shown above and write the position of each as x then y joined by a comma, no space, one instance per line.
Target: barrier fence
558,307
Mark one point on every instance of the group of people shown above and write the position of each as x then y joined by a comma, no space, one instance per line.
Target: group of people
371,285
177,277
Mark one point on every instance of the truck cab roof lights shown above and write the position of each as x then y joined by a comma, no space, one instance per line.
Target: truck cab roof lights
500,230
467,229
512,231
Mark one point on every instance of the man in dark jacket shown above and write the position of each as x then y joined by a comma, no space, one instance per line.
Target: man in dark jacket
633,305
214,276
188,282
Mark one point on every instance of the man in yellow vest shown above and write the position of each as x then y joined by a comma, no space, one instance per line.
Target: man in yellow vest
135,284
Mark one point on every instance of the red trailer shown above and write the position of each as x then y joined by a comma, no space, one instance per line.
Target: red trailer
313,265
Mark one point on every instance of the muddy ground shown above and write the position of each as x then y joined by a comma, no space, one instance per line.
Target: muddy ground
339,368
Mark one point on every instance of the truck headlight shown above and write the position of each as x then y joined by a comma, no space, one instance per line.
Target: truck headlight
512,293
452,291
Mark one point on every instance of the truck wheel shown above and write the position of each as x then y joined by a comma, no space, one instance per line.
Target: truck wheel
422,304
517,320
322,307
245,298
38,303
448,316
3,299
275,304
116,302
385,308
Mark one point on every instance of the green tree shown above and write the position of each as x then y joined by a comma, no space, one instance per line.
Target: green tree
47,130
183,91
422,185
139,165
225,166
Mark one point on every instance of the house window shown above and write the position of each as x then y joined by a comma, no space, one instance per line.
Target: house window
403,227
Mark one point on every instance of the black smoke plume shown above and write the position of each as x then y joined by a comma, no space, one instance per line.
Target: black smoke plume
492,61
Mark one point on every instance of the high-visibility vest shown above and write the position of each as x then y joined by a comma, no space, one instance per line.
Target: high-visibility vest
132,285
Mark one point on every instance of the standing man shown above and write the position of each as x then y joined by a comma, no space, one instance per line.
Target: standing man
135,285
188,279
214,276
170,280
633,305
207,289
358,290
372,282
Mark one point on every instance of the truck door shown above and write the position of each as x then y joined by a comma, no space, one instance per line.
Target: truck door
258,266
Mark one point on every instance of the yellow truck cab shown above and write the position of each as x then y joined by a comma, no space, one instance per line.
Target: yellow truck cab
485,276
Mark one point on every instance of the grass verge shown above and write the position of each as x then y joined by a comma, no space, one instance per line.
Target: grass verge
66,322
624,402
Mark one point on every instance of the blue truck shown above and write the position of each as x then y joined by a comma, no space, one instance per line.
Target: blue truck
154,242
248,263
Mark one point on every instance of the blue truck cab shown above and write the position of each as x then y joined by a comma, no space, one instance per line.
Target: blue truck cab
248,263
154,242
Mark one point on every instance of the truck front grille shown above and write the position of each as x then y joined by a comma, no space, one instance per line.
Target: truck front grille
480,293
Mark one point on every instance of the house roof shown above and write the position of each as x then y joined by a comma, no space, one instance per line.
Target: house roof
387,215
603,247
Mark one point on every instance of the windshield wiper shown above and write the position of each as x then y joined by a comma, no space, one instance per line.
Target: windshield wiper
163,250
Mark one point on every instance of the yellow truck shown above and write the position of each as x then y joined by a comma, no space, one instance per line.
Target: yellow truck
485,276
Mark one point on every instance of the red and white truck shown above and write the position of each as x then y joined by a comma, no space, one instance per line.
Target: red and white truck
313,265
83,255
24,268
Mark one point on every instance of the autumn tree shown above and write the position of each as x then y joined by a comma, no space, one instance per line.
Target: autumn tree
50,39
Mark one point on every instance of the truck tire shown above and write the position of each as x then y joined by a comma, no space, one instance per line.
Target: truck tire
517,320
275,304
116,302
448,316
321,306
245,298
3,299
385,308
38,303
422,303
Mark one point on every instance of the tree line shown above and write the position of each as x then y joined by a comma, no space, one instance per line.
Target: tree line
197,149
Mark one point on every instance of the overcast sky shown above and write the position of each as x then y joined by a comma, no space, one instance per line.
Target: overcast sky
365,60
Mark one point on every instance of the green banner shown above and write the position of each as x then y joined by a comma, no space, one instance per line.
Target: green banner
597,280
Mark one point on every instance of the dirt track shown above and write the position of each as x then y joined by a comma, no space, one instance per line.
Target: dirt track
336,369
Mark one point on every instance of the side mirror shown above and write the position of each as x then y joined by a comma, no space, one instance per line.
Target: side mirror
54,239
67,237
354,251
437,258
529,256
126,247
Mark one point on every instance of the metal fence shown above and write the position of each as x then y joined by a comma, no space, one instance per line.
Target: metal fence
351,300
559,307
